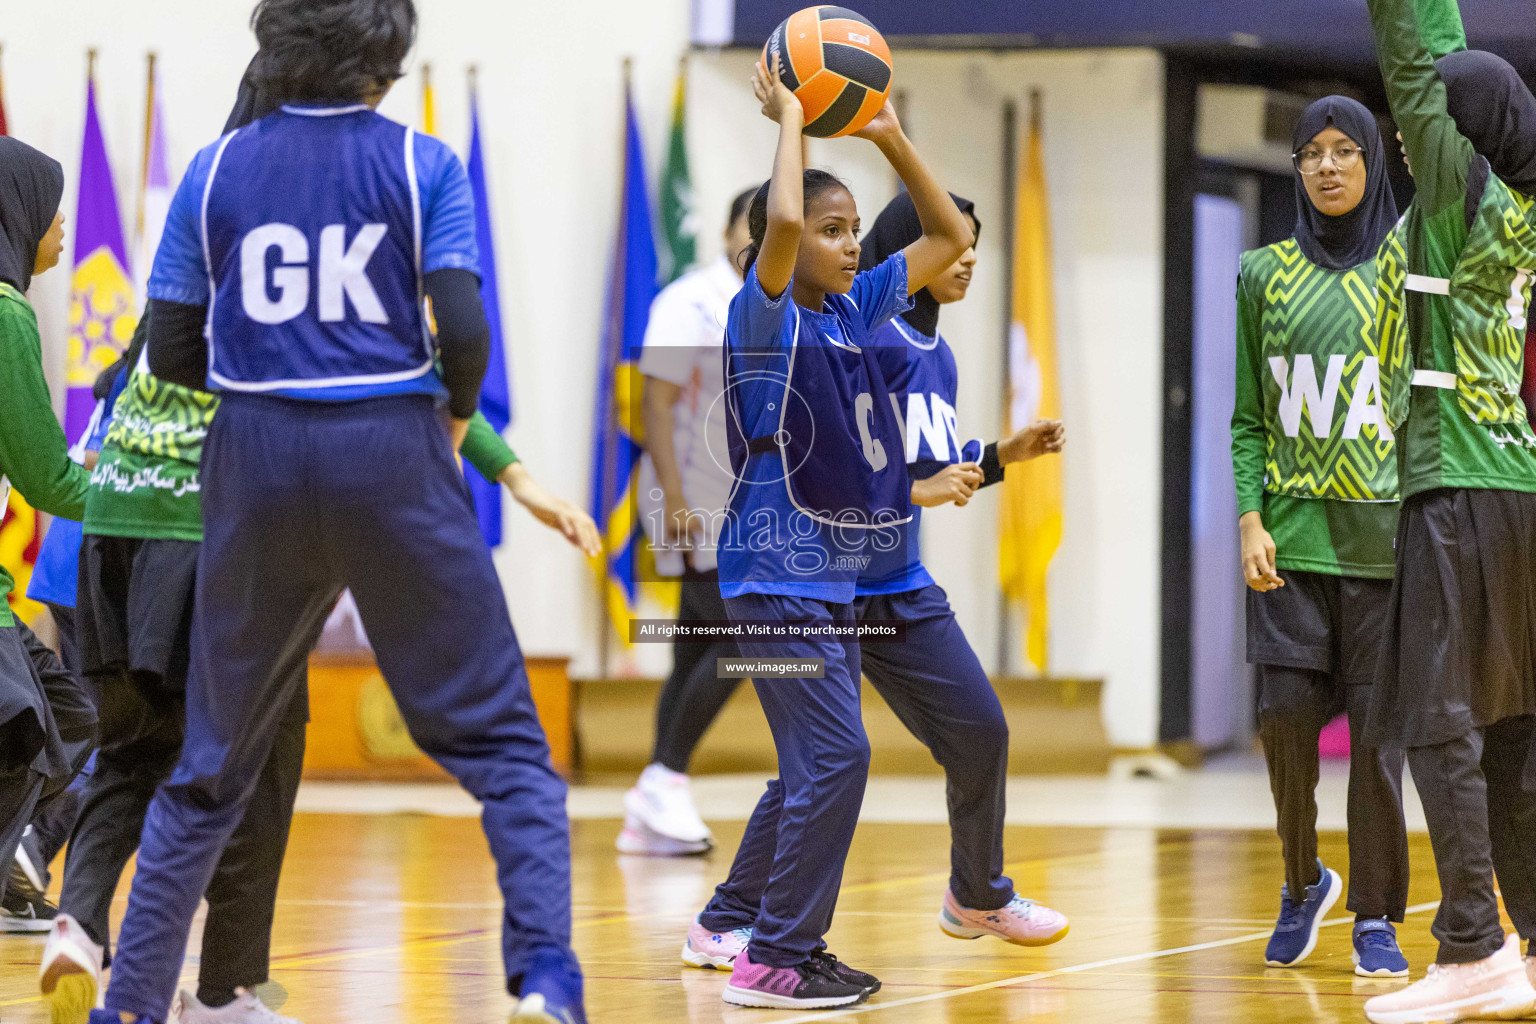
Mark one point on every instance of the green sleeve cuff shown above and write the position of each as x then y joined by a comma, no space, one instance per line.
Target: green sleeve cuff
1249,503
485,449
1440,26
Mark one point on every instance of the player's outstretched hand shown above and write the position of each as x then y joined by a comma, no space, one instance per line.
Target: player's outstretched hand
774,95
955,483
1042,437
556,513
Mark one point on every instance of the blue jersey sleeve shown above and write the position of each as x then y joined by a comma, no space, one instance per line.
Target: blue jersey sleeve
180,272
447,210
756,321
881,292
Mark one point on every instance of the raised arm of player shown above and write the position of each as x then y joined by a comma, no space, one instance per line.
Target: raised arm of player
946,231
786,190
1439,156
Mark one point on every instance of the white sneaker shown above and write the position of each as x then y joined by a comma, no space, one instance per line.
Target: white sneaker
70,975
660,819
246,1009
1495,988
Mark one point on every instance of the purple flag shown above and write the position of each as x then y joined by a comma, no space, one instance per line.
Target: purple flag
102,309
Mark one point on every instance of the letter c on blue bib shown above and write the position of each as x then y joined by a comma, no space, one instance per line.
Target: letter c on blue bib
863,412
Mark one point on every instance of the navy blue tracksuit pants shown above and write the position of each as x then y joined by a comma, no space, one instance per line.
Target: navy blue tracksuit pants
937,687
301,500
789,867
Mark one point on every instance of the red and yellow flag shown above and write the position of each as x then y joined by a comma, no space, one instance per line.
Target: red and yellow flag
1031,517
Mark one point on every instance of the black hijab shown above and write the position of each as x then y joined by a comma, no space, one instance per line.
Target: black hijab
896,228
31,187
1339,243
1495,111
251,104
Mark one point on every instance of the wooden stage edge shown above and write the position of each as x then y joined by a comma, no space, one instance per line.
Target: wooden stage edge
604,727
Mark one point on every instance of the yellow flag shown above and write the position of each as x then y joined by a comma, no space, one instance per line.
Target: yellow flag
1030,521
428,102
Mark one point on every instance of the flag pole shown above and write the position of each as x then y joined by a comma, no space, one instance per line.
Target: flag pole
428,102
605,626
1010,206
149,129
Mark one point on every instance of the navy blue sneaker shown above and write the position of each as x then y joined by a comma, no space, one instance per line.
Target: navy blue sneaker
1296,931
551,993
1376,954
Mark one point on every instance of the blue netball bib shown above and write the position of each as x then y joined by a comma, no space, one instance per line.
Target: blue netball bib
311,225
923,380
813,440
835,434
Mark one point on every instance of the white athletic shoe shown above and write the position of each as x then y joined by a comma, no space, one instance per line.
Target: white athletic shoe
246,1009
70,975
27,857
660,819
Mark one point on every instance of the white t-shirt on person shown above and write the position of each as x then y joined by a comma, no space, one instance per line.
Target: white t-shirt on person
683,343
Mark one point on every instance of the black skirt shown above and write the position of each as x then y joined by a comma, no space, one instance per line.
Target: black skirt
1320,622
1459,651
135,606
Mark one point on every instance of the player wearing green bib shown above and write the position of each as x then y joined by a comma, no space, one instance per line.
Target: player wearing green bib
47,724
1457,679
1316,478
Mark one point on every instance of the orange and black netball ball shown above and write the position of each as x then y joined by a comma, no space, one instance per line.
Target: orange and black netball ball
836,63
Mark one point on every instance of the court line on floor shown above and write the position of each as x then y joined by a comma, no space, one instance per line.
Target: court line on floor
438,940
1025,979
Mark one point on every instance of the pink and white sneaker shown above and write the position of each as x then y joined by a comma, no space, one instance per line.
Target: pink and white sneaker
1022,922
714,951
1496,987
808,986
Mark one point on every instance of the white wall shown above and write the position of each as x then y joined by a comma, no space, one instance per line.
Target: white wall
550,86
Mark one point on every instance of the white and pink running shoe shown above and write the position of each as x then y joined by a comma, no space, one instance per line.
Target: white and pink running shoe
1022,922
714,950
1496,988
660,819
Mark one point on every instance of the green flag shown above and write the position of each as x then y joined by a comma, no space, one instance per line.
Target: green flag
680,228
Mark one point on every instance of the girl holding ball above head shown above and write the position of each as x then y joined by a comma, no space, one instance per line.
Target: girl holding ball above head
816,453
931,678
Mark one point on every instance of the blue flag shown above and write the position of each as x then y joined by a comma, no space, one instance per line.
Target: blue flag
616,435
495,394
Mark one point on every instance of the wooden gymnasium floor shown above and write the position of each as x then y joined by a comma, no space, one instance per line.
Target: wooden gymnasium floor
394,920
